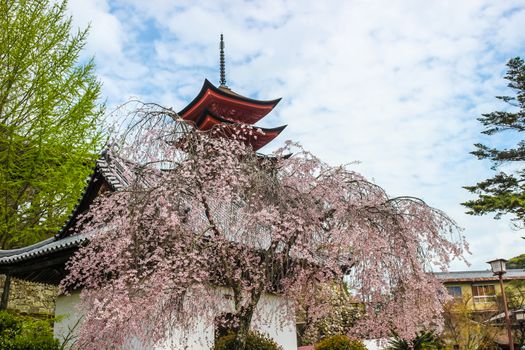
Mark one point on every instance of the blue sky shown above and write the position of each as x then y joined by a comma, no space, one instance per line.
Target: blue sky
395,85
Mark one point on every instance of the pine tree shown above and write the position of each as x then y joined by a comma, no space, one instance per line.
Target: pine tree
504,193
49,117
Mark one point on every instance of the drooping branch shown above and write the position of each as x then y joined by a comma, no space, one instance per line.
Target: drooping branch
204,216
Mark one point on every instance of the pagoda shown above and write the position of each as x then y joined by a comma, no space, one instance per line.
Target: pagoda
219,108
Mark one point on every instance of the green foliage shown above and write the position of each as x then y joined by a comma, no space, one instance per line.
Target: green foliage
424,340
49,117
25,333
515,293
517,262
339,342
254,341
504,192
466,328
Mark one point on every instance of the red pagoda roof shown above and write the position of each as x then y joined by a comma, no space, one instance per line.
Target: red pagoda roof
255,136
223,102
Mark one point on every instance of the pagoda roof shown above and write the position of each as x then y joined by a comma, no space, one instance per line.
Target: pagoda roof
228,104
255,136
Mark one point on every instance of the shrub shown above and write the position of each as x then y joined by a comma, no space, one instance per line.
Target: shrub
339,342
25,333
423,341
254,341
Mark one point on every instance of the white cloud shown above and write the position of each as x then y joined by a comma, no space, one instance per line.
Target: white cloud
106,36
396,85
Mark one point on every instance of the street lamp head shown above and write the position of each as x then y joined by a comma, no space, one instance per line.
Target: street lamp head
498,266
520,315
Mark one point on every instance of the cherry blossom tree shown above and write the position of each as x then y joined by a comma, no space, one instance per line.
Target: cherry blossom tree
204,213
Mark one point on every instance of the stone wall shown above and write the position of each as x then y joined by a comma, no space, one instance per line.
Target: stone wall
30,298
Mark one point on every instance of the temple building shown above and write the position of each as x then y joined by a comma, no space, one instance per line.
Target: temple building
214,108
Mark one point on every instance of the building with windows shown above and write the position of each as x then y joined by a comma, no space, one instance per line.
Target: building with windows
480,290
475,319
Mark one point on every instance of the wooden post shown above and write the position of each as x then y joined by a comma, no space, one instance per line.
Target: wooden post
5,292
506,309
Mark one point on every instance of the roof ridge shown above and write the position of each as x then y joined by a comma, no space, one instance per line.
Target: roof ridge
103,167
474,271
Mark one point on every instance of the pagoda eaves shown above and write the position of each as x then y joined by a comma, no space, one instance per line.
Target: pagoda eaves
257,137
223,102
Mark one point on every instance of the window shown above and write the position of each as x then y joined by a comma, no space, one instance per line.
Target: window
484,293
455,292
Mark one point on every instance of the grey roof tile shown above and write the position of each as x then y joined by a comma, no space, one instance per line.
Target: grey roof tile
478,275
42,248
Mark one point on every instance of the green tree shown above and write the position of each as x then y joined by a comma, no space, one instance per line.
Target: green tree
504,192
466,328
515,293
517,262
49,117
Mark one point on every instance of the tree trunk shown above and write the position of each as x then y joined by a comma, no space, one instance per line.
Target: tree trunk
5,293
245,320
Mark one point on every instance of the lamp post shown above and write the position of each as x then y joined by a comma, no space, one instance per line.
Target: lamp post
499,268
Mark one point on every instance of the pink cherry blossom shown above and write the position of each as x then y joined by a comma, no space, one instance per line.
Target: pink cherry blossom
202,210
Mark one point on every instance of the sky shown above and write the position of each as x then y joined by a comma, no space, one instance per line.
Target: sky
395,86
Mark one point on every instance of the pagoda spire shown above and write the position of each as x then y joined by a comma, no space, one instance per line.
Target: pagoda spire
225,113
222,63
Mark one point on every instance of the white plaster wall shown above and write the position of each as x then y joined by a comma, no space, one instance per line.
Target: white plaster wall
268,318
376,344
68,318
200,337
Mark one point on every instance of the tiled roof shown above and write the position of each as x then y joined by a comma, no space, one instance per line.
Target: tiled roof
113,171
467,276
41,248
